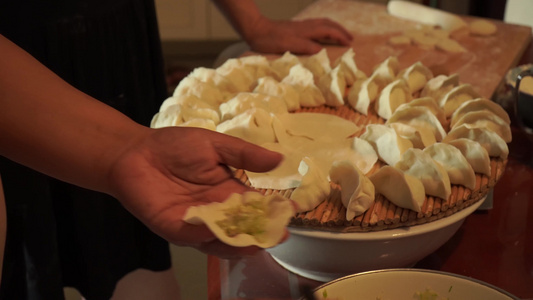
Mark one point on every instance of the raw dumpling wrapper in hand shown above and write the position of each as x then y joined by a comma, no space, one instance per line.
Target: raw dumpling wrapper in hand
357,191
249,219
314,187
451,158
434,177
399,188
253,126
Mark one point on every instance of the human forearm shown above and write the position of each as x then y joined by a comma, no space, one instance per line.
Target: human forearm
244,16
48,125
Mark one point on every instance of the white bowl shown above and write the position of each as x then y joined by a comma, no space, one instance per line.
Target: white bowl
406,283
325,256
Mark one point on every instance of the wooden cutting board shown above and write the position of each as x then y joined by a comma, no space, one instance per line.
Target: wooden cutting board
484,65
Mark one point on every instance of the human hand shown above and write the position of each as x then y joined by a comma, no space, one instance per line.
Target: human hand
298,37
171,169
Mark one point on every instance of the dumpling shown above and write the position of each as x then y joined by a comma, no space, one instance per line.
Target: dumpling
475,154
257,65
486,119
314,187
244,101
249,219
479,104
363,93
387,70
189,101
392,96
417,75
457,96
208,93
333,86
302,80
357,191
430,103
366,153
457,166
211,76
490,140
283,64
388,144
271,87
242,78
319,64
200,123
419,116
175,115
438,86
434,176
253,126
421,137
349,68
399,188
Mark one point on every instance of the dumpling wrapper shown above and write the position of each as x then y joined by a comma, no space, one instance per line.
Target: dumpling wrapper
258,66
421,137
434,176
271,87
386,71
416,76
479,104
302,80
245,101
349,68
475,154
399,188
486,119
243,79
283,64
363,93
488,139
314,187
392,96
176,115
387,143
439,85
357,191
333,86
205,91
367,155
211,76
253,126
457,96
200,123
418,117
276,217
319,64
189,101
430,103
457,166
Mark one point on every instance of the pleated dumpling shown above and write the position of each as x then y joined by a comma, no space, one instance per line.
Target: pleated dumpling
434,176
253,126
190,86
283,64
363,93
257,65
244,101
388,144
490,140
249,219
419,116
176,115
214,78
242,78
319,64
271,87
479,104
416,75
439,85
430,103
387,70
357,191
459,169
486,119
302,80
367,156
457,96
313,188
393,95
421,137
333,86
475,154
349,68
189,101
399,188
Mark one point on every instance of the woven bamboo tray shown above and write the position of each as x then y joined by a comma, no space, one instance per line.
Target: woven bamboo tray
330,215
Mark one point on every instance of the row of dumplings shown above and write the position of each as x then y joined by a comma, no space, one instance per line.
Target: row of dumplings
437,132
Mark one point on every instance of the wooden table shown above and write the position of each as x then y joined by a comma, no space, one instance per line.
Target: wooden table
494,245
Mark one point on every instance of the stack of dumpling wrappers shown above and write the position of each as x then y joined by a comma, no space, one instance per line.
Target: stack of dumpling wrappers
363,152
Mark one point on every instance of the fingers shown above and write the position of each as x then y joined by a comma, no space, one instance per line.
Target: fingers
325,29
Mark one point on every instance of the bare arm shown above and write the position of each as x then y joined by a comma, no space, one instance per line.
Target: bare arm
269,36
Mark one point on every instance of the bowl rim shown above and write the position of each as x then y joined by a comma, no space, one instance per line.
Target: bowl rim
395,233
415,270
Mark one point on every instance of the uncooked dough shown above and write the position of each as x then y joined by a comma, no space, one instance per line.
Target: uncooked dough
482,27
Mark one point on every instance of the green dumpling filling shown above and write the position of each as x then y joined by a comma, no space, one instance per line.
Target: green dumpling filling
249,218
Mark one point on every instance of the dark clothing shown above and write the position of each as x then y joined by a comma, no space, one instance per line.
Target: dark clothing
58,234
